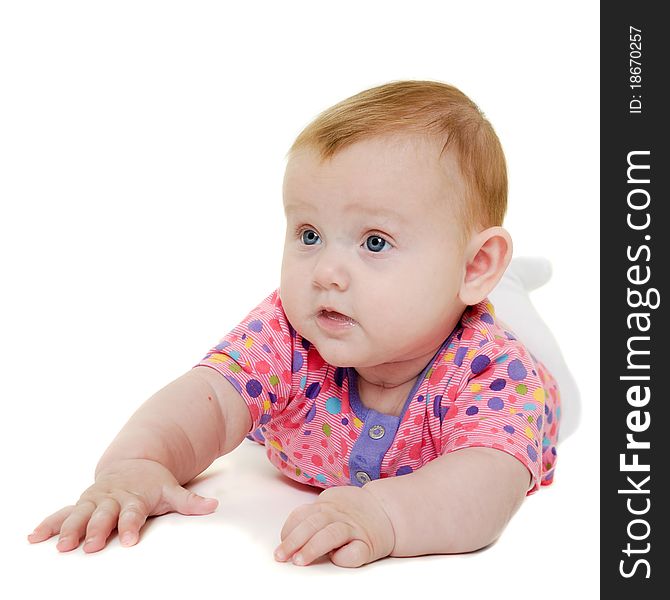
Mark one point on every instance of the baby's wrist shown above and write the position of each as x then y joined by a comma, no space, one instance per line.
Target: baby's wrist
385,528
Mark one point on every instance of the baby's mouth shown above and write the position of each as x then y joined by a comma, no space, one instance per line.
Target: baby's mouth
335,317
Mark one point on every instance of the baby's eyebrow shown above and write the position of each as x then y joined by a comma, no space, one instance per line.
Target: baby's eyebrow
293,206
384,213
376,212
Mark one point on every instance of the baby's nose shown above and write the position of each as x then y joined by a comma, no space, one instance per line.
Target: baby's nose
331,271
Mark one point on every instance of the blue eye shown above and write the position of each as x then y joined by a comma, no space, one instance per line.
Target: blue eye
309,237
375,243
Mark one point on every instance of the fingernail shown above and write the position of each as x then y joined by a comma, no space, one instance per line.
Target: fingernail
298,559
279,555
127,539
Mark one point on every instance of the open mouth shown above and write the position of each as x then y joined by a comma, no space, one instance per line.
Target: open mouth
334,315
333,318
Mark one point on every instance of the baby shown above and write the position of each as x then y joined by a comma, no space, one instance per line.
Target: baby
379,370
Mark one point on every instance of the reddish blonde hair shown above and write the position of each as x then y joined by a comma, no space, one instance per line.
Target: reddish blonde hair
428,107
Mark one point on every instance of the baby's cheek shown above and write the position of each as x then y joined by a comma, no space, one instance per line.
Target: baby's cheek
291,297
390,326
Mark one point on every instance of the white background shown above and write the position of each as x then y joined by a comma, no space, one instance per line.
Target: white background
141,158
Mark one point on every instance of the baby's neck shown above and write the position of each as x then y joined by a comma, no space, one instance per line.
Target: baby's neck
385,388
388,378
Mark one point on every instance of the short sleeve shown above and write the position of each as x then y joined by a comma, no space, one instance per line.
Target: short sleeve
499,404
256,358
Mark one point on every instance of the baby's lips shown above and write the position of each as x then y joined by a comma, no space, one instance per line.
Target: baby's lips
336,316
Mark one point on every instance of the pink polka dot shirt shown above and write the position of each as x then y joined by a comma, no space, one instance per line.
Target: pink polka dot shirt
482,388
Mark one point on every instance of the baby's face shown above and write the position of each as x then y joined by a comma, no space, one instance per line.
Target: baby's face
372,235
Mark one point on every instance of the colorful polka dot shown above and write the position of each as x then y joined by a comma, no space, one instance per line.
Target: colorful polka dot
479,363
460,355
254,388
497,384
313,390
297,362
495,403
415,451
263,367
334,406
516,370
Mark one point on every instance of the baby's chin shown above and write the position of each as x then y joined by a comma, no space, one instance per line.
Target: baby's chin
337,357
341,354
338,353
347,351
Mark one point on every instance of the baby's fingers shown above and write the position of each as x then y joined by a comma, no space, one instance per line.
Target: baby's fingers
297,516
50,526
131,520
74,526
101,524
301,535
186,502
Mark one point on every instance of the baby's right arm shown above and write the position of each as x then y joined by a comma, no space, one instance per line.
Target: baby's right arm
175,435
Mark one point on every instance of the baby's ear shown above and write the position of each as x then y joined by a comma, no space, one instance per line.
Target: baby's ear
487,255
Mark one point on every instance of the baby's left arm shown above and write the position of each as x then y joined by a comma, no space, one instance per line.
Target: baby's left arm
459,502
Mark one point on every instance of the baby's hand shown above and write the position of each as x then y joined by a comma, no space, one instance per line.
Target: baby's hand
348,522
123,496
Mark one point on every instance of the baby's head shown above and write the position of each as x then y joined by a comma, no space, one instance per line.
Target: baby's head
394,202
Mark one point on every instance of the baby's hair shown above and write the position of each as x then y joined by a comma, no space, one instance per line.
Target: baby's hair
428,107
